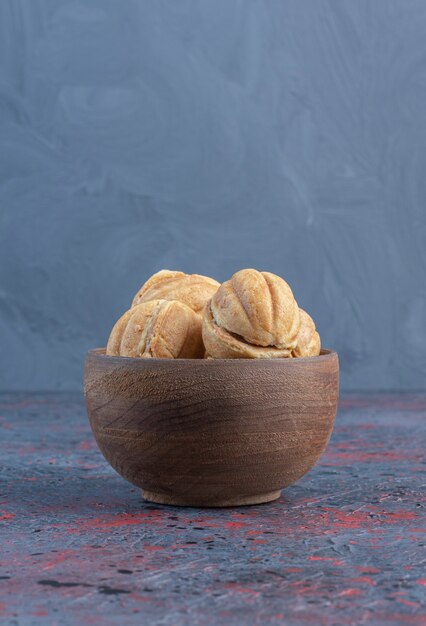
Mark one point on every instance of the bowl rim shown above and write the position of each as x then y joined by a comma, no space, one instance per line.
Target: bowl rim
99,354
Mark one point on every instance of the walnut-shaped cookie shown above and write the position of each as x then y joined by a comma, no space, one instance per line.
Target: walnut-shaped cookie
193,290
252,315
308,339
224,345
159,329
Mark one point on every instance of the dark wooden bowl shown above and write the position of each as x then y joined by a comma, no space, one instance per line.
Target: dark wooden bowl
211,432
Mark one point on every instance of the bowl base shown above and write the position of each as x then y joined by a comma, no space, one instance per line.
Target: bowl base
187,500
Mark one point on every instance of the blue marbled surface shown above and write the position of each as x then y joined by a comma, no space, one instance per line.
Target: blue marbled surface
208,136
344,546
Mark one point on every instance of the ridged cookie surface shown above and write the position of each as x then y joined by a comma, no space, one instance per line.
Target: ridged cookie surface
308,339
252,315
220,344
157,329
193,290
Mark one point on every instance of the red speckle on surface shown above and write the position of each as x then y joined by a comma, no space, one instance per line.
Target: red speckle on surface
350,592
399,516
235,524
331,559
304,587
241,589
153,548
108,522
365,519
90,444
138,598
6,516
40,613
421,581
88,465
56,559
363,579
407,602
345,520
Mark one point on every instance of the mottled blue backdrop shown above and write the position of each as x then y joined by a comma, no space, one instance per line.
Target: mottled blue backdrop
207,136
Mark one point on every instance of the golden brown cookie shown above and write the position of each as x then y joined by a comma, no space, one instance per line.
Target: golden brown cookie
252,315
157,329
308,339
191,289
221,344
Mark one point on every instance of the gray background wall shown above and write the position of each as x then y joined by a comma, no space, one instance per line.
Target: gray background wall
207,136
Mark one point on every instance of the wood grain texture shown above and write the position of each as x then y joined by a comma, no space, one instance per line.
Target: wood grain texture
211,432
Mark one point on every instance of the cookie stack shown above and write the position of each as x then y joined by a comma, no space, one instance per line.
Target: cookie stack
254,315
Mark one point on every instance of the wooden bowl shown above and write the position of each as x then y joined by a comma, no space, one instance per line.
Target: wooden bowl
203,432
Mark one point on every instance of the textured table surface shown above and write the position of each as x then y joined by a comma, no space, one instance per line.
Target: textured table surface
343,546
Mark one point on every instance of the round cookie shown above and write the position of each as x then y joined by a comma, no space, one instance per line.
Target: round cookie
160,329
252,315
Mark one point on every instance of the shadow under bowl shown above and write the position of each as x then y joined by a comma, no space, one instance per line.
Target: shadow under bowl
205,432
